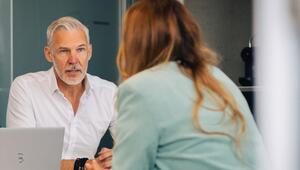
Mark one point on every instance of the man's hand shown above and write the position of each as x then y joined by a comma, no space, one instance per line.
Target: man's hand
93,165
102,162
105,158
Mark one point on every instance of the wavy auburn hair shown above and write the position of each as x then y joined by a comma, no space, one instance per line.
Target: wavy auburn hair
158,31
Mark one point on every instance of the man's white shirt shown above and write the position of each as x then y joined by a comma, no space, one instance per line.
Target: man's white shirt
36,101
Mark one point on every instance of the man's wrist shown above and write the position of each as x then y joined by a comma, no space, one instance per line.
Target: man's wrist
67,164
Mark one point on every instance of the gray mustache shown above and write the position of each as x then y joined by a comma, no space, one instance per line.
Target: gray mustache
73,68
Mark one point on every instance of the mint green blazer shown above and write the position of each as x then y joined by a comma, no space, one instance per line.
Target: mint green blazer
155,130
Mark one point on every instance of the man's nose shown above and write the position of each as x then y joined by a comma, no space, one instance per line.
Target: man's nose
73,57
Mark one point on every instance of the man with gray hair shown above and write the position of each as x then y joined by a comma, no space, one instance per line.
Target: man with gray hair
66,96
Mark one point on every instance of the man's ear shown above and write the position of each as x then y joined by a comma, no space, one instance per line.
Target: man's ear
48,55
90,51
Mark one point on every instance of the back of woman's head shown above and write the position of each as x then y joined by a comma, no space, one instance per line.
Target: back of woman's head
156,31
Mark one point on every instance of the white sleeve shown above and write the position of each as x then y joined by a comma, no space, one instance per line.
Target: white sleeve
19,110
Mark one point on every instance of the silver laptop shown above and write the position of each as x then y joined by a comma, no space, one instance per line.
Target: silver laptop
31,148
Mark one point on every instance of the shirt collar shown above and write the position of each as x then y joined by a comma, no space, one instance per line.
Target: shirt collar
53,82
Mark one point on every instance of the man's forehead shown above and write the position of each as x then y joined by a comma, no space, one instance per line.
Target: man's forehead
69,38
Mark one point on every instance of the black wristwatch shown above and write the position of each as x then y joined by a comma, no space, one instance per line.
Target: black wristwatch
79,163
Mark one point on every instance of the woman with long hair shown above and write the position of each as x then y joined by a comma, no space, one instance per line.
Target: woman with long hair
176,109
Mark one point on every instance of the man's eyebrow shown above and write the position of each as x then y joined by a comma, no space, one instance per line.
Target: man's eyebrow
82,45
63,48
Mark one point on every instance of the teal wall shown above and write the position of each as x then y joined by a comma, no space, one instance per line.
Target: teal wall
5,59
30,21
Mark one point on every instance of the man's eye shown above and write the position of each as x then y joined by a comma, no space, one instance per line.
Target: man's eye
81,49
